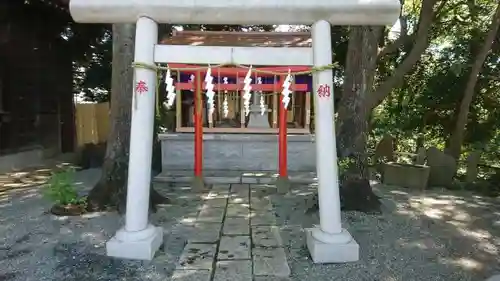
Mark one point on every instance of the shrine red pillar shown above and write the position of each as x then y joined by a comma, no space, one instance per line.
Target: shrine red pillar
282,184
198,183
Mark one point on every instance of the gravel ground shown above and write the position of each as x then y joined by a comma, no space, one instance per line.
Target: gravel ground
36,246
436,235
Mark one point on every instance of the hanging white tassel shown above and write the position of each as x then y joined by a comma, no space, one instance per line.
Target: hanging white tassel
286,89
262,104
209,87
263,108
225,104
170,89
247,88
191,80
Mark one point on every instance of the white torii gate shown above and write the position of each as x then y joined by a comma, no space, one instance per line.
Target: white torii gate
328,243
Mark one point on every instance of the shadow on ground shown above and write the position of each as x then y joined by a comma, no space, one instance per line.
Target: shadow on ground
36,246
434,235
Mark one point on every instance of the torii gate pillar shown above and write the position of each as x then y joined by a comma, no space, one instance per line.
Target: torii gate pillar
138,239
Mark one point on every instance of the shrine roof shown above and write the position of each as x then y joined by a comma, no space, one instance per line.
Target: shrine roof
240,39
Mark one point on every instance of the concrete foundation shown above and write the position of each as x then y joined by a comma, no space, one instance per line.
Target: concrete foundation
406,175
237,152
331,252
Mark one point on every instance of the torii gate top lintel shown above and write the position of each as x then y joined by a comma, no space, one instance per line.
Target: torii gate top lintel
338,12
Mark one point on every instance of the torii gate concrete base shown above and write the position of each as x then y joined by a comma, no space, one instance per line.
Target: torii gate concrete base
328,243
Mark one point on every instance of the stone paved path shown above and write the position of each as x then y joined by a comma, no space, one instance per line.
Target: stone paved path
235,238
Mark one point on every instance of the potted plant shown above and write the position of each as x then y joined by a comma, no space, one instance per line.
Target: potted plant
61,190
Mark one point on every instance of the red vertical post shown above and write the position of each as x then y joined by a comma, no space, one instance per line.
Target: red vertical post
282,138
198,127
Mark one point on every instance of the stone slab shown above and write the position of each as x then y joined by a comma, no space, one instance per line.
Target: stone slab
238,199
184,177
209,214
191,275
331,253
236,226
197,256
221,187
234,247
234,270
216,202
205,232
270,262
266,236
238,210
271,278
242,189
262,218
258,180
494,278
214,194
222,180
260,204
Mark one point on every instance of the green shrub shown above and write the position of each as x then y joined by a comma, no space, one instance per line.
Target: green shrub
61,190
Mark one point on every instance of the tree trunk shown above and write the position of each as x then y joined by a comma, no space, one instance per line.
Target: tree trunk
111,190
421,42
352,114
353,118
457,136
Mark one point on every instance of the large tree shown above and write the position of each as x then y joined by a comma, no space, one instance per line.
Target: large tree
360,96
110,191
483,48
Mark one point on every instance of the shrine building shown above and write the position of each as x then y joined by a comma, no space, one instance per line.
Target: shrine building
236,138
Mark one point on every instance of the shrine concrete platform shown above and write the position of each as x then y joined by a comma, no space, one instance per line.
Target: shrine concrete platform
237,152
233,177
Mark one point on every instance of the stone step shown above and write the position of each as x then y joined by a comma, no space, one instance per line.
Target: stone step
234,177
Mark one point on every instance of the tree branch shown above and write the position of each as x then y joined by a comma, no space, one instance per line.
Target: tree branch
426,17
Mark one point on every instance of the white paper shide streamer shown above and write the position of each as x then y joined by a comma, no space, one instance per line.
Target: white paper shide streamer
286,90
191,80
262,104
247,95
169,82
209,87
225,104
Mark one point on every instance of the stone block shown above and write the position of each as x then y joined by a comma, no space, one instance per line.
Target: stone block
223,179
271,278
234,247
242,152
236,226
221,187
270,262
266,236
494,278
191,275
262,217
443,167
216,202
234,270
262,204
205,233
209,214
197,256
238,199
214,194
406,175
242,189
331,253
238,210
